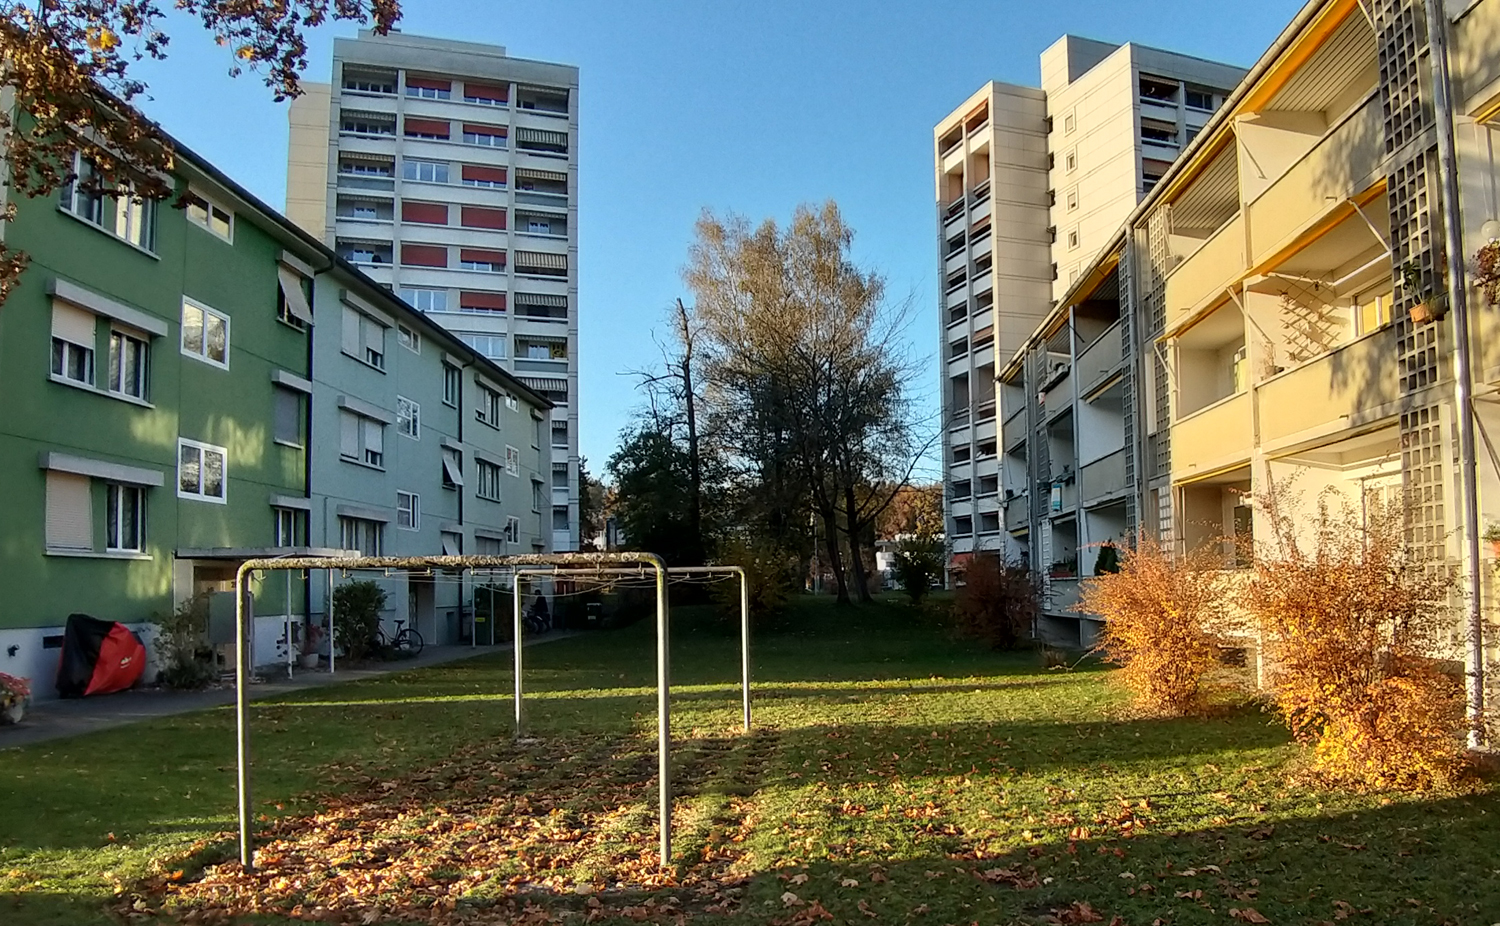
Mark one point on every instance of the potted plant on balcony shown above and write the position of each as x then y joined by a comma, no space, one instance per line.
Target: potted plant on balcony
15,695
1429,305
1064,569
1492,536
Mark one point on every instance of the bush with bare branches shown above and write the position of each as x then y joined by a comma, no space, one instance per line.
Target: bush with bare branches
998,602
1352,633
1163,620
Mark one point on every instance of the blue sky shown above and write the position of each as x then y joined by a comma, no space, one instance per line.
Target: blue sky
750,107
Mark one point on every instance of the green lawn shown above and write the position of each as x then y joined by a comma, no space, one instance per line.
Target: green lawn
896,776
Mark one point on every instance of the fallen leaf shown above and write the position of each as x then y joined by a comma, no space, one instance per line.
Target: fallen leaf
1247,914
849,882
864,907
791,900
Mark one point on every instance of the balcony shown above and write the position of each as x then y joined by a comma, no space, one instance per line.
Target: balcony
1212,438
1100,360
1216,264
1017,513
1014,430
1062,595
985,411
1103,478
1346,162
1059,396
1352,385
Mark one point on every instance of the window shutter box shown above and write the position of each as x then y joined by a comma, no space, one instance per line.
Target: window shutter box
472,300
479,255
426,127
484,174
73,324
70,511
426,213
480,217
424,255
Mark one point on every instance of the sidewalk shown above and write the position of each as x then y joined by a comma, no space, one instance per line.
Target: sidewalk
50,720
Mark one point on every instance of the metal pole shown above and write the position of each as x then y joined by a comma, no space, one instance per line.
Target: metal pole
242,720
516,647
287,622
745,642
330,623
663,716
1437,34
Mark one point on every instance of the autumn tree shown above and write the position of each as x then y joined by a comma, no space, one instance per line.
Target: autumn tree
68,74
804,373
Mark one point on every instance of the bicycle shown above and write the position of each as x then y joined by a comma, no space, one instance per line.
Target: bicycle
407,639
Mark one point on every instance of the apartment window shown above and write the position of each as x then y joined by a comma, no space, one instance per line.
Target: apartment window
488,546
1073,240
963,526
202,471
432,129
480,259
512,461
124,518
1201,99
453,468
490,136
73,344
1070,161
1373,311
290,527
423,214
453,543
117,211
489,480
538,226
367,83
408,417
362,534
363,338
512,403
1158,90
538,495
70,512
1070,122
475,175
1073,276
559,434
210,216
1072,200
1159,132
451,385
361,124
409,338
491,346
361,439
361,168
478,303
363,253
481,217
513,529
127,365
424,171
486,94
205,333
425,300
429,89
408,511
488,410
287,417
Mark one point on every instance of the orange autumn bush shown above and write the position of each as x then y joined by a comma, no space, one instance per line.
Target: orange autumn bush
1162,623
1352,632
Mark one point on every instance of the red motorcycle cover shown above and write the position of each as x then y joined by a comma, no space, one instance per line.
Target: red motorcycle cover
98,657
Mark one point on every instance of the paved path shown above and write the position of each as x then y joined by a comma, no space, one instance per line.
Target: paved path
50,720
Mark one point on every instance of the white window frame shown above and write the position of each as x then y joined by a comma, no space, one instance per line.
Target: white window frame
513,529
491,140
293,520
417,166
488,411
202,354
512,460
425,299
364,424
1070,161
115,212
203,450
408,510
487,480
86,354
452,385
205,215
116,384
409,338
1072,200
355,526
114,523
1074,237
408,417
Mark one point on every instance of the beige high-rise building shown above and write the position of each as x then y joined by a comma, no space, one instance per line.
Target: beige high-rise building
1031,185
448,171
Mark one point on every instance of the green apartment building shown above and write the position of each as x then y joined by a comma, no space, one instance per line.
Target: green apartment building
156,427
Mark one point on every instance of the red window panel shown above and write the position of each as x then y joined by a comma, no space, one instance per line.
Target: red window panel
480,255
492,302
426,213
486,91
429,83
480,217
474,128
484,174
423,255
426,127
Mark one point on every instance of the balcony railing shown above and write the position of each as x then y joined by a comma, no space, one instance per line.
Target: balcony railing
1103,478
954,208
985,411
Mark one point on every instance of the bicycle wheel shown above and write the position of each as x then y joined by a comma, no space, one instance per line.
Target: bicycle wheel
411,641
